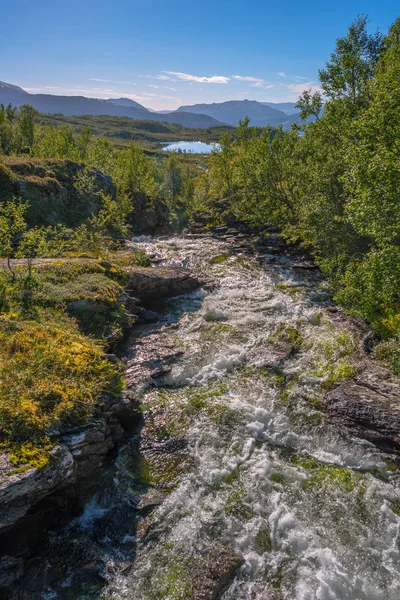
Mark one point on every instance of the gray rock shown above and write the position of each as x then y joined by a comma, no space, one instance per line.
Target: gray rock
20,491
369,406
152,283
11,569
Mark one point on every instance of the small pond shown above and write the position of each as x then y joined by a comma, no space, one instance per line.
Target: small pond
193,147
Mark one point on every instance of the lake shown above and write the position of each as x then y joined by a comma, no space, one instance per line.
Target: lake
193,147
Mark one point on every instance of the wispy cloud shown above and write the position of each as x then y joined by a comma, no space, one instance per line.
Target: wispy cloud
298,88
164,77
281,74
198,79
112,81
242,78
254,81
72,91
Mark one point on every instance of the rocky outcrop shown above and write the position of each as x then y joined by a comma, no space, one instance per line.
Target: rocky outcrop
369,406
77,455
49,187
147,284
21,490
150,216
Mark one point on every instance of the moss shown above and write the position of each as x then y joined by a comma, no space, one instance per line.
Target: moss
262,542
170,577
29,454
51,376
200,398
219,258
332,475
235,506
287,333
331,373
290,290
278,478
330,356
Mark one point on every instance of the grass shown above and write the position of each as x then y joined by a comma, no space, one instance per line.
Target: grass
51,377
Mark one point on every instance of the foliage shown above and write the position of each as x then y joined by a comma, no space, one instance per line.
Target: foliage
333,184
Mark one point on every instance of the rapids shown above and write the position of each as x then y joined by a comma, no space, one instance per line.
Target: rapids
313,511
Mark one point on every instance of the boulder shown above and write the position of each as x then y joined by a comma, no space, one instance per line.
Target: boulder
147,283
369,406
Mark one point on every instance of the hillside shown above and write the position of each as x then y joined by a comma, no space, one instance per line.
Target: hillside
80,105
150,135
260,113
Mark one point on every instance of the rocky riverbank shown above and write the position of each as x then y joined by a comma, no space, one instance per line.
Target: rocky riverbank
33,500
266,423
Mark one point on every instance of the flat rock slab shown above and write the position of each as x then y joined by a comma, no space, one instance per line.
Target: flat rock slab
369,406
154,283
214,571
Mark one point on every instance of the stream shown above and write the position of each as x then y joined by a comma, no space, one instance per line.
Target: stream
235,451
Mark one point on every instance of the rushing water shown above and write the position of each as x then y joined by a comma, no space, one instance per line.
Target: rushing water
191,147
311,510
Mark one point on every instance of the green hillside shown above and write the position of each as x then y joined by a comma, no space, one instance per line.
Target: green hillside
151,135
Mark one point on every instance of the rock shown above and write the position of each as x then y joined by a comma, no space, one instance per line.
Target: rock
150,216
271,354
150,500
153,283
369,406
262,542
11,569
213,572
20,491
48,186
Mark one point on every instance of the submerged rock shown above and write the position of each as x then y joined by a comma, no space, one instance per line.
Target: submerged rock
213,572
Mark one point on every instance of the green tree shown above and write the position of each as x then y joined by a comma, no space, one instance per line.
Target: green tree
26,125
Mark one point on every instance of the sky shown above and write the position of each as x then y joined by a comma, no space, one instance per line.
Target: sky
165,53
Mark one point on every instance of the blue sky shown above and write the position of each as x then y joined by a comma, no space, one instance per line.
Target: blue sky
164,53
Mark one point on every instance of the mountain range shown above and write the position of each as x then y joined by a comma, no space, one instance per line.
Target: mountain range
80,105
230,112
195,116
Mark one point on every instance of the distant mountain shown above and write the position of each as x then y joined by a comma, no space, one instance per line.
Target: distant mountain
260,113
80,105
127,102
289,108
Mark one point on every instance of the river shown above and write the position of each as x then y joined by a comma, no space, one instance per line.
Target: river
237,451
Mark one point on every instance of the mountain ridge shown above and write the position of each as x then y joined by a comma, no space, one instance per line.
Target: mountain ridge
81,105
259,113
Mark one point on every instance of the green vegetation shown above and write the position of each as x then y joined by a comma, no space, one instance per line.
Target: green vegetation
51,376
121,131
333,184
